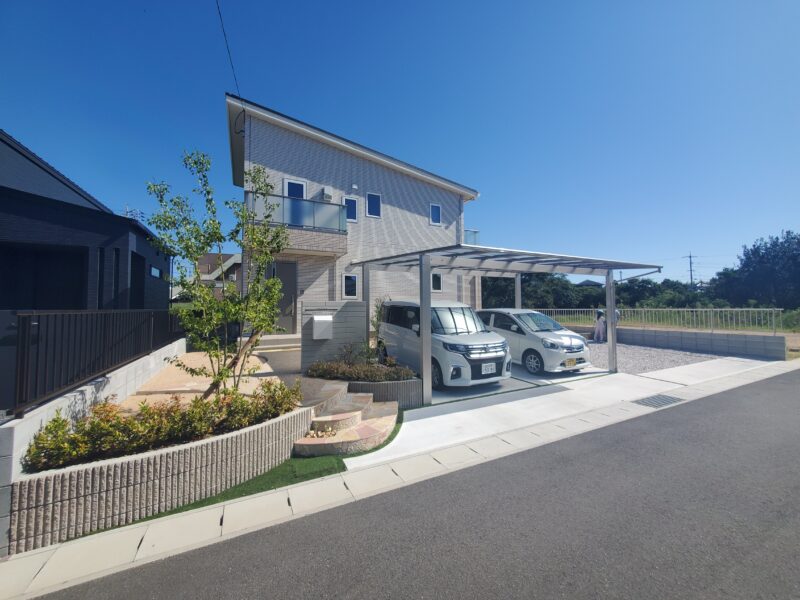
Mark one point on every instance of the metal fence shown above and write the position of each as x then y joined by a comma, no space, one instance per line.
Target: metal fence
704,319
59,350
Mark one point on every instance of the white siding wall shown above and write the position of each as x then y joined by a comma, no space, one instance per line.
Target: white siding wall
403,227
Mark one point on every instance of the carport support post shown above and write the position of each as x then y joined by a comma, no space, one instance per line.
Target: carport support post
518,290
365,298
425,327
611,320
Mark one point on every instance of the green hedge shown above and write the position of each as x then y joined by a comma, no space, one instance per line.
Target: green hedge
339,369
106,433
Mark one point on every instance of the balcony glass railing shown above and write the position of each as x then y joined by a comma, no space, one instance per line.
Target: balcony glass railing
309,214
471,237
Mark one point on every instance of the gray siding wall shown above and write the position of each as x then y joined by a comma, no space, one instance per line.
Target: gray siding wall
349,327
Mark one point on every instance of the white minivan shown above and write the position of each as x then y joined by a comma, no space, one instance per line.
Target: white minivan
536,341
463,351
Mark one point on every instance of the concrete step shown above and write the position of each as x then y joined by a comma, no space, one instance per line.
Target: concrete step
278,342
343,413
322,394
376,425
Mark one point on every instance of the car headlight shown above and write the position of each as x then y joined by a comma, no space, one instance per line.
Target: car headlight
549,344
459,348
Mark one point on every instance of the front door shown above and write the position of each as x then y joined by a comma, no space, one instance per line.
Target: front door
287,273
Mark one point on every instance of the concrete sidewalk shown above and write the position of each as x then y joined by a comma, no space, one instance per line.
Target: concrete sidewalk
426,429
63,565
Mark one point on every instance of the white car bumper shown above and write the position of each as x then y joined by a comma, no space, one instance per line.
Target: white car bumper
556,361
458,371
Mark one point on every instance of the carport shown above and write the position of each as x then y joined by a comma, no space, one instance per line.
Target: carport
485,261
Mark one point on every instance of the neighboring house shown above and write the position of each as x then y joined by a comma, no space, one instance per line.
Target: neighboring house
344,202
61,248
589,283
230,271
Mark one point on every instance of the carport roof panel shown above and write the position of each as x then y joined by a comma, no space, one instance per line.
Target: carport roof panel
499,261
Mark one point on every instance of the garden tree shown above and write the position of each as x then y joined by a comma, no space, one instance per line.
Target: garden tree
211,321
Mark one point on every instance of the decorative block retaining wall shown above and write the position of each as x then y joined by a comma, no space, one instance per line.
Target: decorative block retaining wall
407,394
54,506
771,347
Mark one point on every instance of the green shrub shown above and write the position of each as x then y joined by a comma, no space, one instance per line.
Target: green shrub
338,369
106,433
55,445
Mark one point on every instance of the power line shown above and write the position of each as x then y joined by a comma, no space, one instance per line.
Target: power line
228,48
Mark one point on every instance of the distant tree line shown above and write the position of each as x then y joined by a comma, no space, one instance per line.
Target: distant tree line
767,275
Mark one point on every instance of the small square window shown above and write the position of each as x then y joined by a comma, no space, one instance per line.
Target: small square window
351,209
436,282
294,189
436,214
374,205
349,285
155,272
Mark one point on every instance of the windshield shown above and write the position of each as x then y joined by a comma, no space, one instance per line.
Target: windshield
538,322
455,321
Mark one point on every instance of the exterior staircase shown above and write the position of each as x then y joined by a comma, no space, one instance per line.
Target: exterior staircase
346,423
278,342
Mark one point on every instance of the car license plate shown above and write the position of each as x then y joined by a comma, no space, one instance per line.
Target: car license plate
570,362
488,368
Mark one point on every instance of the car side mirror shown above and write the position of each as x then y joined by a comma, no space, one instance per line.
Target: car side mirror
514,328
415,328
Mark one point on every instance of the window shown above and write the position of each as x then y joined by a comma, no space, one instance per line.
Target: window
294,188
351,209
502,321
436,214
486,317
349,285
455,321
374,205
155,272
402,316
436,282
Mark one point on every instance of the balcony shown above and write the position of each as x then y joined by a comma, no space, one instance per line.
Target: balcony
313,227
471,237
309,214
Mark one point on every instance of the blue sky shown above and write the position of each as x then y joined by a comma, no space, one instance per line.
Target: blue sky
632,130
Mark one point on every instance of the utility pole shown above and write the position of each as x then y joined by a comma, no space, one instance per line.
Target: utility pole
691,269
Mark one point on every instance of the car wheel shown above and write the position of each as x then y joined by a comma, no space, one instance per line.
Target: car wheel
533,362
437,381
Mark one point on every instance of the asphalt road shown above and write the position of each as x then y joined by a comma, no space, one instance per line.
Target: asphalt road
698,501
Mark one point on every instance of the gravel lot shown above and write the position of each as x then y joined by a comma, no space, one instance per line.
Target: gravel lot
642,359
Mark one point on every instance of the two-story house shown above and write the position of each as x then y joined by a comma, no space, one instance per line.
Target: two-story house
216,274
344,202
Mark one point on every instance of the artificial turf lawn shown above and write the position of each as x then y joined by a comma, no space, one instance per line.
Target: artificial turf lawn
294,470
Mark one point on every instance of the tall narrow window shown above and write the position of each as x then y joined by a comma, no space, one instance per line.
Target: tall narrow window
115,280
436,214
351,209
374,205
436,282
101,276
349,285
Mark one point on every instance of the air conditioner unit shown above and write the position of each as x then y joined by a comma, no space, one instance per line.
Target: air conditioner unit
327,193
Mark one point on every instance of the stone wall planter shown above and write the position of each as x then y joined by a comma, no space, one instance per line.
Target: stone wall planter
55,506
407,394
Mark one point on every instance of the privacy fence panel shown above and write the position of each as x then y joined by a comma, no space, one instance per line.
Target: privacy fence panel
59,350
